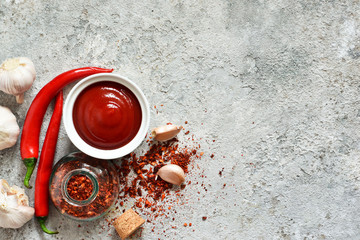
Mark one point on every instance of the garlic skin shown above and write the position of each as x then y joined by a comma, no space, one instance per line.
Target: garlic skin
14,206
17,76
166,132
9,129
172,173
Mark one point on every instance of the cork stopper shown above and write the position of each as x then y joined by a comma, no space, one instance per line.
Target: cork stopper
128,223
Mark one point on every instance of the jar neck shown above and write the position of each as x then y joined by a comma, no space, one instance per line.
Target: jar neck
93,179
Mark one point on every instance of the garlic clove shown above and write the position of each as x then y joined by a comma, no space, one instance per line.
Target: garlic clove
22,198
166,132
17,76
12,201
14,209
9,129
172,173
4,186
20,98
16,217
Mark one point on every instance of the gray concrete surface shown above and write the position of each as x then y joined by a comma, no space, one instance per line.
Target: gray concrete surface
274,83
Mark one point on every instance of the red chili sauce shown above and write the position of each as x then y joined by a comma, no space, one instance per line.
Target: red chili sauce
107,115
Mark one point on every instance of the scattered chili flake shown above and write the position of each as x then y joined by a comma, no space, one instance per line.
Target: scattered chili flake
187,132
147,204
186,122
204,218
185,224
138,180
139,192
190,224
220,172
212,155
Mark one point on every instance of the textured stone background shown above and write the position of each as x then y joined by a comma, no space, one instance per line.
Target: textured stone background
275,83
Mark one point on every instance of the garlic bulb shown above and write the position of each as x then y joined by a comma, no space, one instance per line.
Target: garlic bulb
16,76
9,129
14,206
172,173
166,132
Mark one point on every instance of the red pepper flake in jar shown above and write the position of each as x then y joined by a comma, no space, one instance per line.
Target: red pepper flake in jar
77,171
80,187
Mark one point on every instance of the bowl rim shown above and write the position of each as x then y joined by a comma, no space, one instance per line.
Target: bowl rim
79,142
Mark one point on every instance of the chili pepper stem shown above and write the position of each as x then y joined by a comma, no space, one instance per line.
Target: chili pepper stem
30,165
43,227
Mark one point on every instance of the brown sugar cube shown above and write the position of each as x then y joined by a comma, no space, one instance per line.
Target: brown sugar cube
128,223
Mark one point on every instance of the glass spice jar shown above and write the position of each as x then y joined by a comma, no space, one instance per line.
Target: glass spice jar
82,187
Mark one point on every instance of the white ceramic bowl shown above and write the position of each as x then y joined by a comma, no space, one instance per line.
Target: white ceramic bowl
79,142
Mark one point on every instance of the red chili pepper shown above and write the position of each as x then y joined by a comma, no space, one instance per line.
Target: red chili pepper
45,165
29,145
